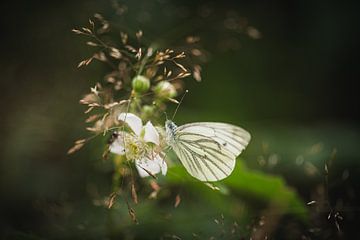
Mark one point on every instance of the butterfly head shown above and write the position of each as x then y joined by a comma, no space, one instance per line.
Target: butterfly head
170,126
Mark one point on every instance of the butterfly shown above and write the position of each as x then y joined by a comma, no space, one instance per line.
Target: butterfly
208,150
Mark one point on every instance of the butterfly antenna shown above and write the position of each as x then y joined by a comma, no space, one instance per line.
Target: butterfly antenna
166,116
182,98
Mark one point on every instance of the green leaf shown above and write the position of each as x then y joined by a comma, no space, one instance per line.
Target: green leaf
253,187
271,190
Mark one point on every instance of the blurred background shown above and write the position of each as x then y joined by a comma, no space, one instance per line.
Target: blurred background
289,78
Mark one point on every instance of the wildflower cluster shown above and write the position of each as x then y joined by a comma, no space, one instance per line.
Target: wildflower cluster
143,79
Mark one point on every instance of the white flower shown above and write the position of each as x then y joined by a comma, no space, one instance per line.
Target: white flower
154,166
136,145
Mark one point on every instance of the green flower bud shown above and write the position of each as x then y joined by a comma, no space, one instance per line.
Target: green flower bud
148,110
140,84
165,89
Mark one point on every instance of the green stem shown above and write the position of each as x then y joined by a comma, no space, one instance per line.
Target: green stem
116,185
146,58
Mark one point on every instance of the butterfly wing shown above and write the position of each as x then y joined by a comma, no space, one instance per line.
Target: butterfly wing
208,150
231,137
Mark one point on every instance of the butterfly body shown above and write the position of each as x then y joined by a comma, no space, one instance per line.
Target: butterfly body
208,150
170,128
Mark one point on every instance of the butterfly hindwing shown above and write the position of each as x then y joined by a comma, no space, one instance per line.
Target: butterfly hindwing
204,158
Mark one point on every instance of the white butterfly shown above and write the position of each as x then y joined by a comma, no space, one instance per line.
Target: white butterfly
208,150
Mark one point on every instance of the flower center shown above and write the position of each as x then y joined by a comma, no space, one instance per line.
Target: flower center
135,148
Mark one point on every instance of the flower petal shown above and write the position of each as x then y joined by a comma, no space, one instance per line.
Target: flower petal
154,166
133,121
151,135
163,166
117,146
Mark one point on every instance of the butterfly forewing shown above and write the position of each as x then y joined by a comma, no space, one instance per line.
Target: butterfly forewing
208,150
231,137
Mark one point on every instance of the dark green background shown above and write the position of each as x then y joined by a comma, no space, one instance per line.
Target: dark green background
293,88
